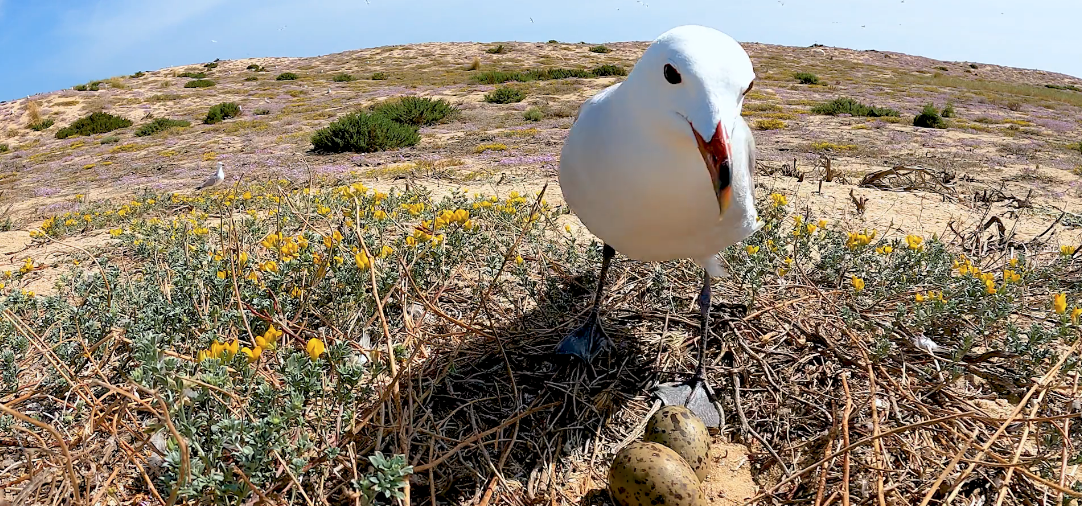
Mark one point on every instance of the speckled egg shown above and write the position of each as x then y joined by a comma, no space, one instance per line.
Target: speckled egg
648,474
678,428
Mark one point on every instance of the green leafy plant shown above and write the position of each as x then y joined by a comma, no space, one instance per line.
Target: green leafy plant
256,68
4,148
342,78
160,125
929,118
251,78
533,114
364,132
416,111
500,49
112,139
261,112
138,74
948,110
221,112
379,76
505,95
211,65
40,125
553,41
600,49
1068,87
502,76
199,83
91,86
389,479
806,78
96,123
286,76
192,75
850,106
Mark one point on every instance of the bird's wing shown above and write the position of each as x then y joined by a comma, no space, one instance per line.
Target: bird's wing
749,147
209,182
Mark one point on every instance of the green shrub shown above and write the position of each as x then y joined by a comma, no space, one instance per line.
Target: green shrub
261,112
852,107
91,86
944,69
363,132
416,111
112,139
379,76
138,74
948,111
286,76
199,83
96,123
553,41
806,78
505,95
160,125
192,75
502,76
929,118
38,126
533,114
343,78
3,148
600,49
251,78
211,65
1069,87
254,67
496,50
222,111
974,66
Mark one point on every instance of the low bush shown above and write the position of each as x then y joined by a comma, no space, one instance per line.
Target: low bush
853,108
415,111
286,76
261,112
503,76
929,118
138,74
533,114
364,132
112,139
199,83
342,78
806,78
211,65
221,112
3,148
505,95
40,125
770,124
91,86
500,49
251,78
948,110
96,123
600,49
160,125
192,75
379,76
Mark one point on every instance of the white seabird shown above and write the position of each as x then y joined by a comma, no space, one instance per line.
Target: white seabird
661,167
214,180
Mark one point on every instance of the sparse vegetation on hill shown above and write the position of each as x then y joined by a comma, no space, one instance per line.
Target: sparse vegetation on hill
342,78
199,83
806,78
192,75
379,76
221,112
505,95
160,125
364,132
91,86
853,108
138,74
500,49
96,123
416,111
501,76
600,49
211,65
256,68
533,114
286,76
40,125
4,148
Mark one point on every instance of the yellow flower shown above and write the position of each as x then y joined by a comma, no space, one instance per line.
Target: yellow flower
1010,276
379,214
1014,262
231,349
252,355
243,257
1075,313
856,239
116,231
778,199
1059,303
822,223
1067,250
314,348
884,250
296,292
203,355
323,210
221,274
915,242
385,251
216,349
468,225
751,249
363,262
252,276
519,260
811,229
247,196
269,266
919,297
858,284
989,286
28,265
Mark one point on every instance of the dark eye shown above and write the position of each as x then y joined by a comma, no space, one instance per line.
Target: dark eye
671,75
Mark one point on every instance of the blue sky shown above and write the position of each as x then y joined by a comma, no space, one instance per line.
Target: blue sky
51,44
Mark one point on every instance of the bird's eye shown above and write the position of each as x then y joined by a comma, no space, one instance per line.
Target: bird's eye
671,75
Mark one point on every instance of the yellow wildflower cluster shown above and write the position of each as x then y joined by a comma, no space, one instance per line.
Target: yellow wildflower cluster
459,216
287,248
778,199
929,296
751,249
268,339
915,242
220,351
28,265
858,283
414,209
885,249
857,239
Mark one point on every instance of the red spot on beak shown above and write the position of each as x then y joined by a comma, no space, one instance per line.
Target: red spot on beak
716,154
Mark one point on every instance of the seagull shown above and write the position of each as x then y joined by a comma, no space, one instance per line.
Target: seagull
214,180
660,167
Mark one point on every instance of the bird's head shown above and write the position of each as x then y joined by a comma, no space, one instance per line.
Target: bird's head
692,80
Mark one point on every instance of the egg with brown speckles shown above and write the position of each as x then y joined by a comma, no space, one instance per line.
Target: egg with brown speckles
649,474
678,428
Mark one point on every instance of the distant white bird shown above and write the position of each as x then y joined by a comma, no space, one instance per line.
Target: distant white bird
660,167
214,180
214,41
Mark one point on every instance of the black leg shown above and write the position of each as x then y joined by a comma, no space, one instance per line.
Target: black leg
587,341
695,393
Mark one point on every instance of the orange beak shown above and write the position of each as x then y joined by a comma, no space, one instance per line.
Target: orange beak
716,154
